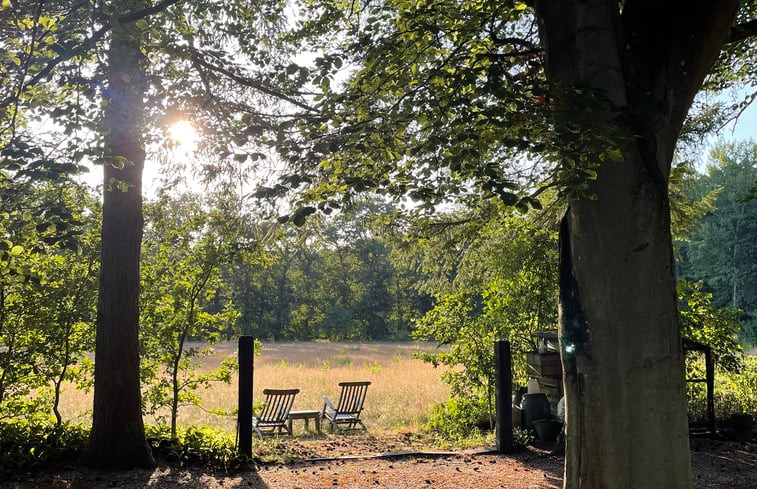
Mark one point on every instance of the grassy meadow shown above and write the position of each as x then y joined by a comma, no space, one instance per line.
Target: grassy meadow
400,396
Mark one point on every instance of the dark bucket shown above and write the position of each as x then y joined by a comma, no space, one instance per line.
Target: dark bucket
742,425
547,429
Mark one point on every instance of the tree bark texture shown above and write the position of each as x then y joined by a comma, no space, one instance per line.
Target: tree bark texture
624,374
117,438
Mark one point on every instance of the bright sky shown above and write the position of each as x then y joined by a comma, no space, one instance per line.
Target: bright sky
745,128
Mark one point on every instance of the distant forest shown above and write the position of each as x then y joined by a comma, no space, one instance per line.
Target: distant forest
336,278
368,273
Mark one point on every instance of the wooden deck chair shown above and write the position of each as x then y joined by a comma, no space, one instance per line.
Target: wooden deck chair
276,407
346,414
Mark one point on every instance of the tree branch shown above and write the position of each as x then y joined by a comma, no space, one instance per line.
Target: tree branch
242,80
146,12
88,43
515,41
25,71
743,31
205,82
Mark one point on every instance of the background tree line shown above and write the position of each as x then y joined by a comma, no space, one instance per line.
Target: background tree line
336,278
721,251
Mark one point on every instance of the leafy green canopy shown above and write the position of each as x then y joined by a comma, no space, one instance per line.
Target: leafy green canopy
447,101
436,104
217,63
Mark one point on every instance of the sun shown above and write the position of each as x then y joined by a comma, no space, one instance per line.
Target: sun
183,136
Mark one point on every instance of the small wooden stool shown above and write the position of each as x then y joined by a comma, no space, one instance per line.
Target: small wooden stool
307,415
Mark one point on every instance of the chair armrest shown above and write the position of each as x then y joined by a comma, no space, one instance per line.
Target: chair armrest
328,403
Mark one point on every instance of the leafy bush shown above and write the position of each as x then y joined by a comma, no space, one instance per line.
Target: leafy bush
522,437
464,420
735,376
196,446
494,292
735,392
717,327
459,418
25,445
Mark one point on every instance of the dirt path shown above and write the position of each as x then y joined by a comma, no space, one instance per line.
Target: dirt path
461,471
717,465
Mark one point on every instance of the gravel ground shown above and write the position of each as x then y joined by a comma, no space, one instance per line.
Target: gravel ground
716,464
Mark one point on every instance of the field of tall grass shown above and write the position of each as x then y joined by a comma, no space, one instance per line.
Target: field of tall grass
402,390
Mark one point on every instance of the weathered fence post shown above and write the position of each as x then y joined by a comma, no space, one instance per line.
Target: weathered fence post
709,366
503,381
244,416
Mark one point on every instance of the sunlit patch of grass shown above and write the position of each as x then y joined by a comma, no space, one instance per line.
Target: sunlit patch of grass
373,368
76,405
400,396
344,361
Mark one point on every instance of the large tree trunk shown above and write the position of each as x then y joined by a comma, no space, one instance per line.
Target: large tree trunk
624,377
118,438
624,382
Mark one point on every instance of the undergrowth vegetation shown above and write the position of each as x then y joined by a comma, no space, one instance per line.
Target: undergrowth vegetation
735,391
28,445
196,446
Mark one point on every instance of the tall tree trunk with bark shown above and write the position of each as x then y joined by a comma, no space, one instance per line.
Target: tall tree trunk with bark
118,438
624,377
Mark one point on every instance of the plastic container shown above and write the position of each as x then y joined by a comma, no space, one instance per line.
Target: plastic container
547,429
535,406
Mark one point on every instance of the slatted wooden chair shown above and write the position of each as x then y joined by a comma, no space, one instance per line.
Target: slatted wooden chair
276,407
346,414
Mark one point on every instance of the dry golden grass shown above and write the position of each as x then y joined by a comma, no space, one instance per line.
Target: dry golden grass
401,394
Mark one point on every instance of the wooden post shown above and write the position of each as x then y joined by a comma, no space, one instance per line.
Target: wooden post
244,417
503,382
710,379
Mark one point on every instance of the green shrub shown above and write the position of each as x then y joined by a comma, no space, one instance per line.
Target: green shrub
343,361
28,445
25,445
735,392
522,437
196,446
458,418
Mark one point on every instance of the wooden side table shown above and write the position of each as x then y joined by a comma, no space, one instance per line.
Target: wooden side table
307,415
